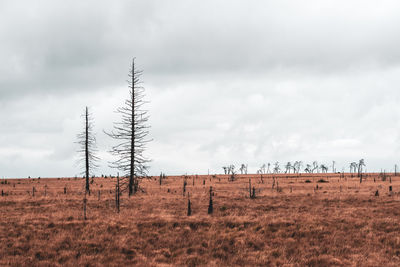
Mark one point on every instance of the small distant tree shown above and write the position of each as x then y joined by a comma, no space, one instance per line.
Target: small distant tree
288,167
132,134
315,167
243,169
308,168
276,167
88,149
361,164
353,167
262,169
324,168
297,166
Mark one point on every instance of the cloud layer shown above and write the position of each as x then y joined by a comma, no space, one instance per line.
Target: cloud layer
228,81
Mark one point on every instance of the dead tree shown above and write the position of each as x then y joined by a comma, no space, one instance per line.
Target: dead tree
243,169
88,149
276,167
360,166
210,205
131,132
189,207
117,194
324,168
250,187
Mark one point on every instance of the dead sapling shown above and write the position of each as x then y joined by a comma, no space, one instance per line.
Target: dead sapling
184,186
87,149
210,205
189,207
253,194
250,188
84,206
117,194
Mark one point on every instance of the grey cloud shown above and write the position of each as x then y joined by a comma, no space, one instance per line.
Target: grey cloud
228,81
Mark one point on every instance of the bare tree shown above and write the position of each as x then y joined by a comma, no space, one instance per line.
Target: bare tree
315,166
87,150
288,166
324,168
243,169
308,168
131,133
296,166
276,167
262,168
353,167
361,163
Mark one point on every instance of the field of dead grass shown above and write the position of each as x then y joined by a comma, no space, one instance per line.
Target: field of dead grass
342,223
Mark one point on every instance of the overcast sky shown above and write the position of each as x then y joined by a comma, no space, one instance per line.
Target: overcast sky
228,82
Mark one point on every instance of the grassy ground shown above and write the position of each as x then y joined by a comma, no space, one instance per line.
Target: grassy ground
342,223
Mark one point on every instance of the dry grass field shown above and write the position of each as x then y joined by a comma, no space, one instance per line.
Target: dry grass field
342,223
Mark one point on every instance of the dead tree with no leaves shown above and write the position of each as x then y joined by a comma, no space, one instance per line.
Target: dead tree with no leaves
131,133
88,149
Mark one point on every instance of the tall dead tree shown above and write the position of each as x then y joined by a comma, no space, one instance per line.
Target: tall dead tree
88,149
131,132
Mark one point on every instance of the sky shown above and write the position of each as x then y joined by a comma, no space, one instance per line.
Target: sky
228,82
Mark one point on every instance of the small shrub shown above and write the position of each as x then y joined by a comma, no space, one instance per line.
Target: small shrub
307,181
322,181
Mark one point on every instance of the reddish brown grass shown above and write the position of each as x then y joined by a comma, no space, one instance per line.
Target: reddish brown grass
305,227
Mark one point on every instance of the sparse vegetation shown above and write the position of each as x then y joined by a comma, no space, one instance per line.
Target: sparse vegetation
349,223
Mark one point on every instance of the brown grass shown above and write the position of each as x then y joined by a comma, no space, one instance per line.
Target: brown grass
305,227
